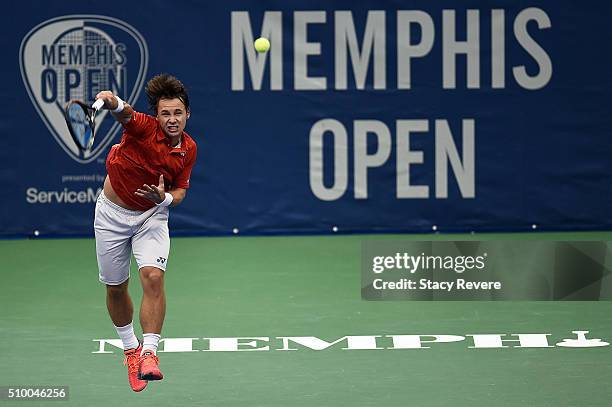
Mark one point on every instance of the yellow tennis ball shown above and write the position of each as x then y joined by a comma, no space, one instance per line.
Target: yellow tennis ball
262,44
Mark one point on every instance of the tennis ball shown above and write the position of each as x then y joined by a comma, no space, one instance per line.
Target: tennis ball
262,44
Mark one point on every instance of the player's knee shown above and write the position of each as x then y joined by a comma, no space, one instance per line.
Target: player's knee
117,291
152,278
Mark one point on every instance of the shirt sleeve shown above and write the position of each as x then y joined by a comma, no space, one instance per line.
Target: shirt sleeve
140,124
182,179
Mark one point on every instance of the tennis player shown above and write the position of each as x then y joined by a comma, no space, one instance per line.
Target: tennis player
148,171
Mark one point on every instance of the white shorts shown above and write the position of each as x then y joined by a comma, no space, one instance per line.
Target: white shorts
120,231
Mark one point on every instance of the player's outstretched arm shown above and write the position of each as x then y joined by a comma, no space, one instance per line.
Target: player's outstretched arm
157,194
112,103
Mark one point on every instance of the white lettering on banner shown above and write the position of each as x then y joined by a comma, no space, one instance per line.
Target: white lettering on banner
451,48
242,42
373,39
406,49
359,342
406,157
533,48
302,48
338,132
463,166
34,196
370,49
498,46
363,161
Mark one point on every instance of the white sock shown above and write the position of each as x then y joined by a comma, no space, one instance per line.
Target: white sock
126,333
150,342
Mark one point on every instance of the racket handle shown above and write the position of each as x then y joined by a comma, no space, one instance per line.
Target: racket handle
98,104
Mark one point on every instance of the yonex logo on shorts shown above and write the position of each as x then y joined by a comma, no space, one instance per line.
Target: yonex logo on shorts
75,57
161,260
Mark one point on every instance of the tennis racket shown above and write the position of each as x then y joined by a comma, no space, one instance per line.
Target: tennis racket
81,121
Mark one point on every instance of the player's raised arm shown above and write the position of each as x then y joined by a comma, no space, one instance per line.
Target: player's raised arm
121,111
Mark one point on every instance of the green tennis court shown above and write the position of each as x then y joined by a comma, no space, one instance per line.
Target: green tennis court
54,316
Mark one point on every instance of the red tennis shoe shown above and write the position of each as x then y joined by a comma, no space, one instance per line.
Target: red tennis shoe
132,360
149,369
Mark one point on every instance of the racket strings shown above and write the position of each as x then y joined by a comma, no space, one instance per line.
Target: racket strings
81,124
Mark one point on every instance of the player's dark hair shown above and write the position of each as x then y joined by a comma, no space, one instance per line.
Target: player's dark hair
164,86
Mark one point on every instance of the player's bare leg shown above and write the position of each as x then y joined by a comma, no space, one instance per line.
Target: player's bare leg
121,311
152,314
119,304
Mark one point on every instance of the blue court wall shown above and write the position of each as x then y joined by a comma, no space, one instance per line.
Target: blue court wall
367,116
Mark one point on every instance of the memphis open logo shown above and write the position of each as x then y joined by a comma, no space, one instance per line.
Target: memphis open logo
75,57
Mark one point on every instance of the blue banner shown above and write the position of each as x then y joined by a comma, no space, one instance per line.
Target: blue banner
388,116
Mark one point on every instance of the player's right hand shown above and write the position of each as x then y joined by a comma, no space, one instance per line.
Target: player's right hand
110,102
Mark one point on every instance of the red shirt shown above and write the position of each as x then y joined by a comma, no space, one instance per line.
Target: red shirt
143,154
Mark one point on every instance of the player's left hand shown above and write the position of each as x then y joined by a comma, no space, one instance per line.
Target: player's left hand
155,193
